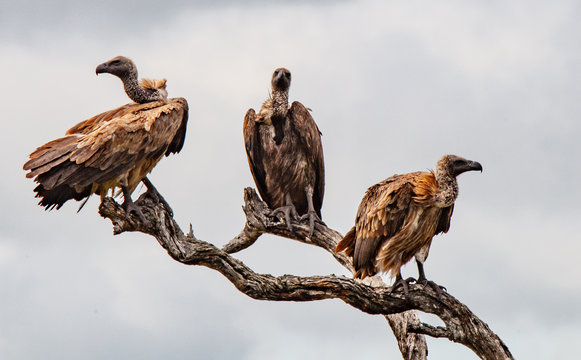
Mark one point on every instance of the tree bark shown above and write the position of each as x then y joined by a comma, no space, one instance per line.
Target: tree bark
370,296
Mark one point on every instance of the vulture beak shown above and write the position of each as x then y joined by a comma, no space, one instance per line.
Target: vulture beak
101,69
468,165
475,165
279,80
278,75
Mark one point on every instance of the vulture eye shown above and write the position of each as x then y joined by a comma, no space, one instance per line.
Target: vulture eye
115,62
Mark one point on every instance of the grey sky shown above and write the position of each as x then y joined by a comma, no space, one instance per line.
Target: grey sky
393,86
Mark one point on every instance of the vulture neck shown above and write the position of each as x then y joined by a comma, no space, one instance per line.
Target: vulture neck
279,112
279,103
137,93
448,188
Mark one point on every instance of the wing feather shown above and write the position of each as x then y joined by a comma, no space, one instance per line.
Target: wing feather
309,134
381,215
179,138
254,153
387,220
107,149
445,218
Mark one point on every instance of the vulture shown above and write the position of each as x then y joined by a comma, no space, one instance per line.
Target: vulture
398,218
285,154
115,149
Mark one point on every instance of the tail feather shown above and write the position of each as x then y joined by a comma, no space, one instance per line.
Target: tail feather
51,166
362,253
347,244
55,198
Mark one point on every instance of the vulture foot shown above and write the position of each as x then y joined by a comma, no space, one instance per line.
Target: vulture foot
313,217
423,281
156,196
404,284
288,211
130,207
428,283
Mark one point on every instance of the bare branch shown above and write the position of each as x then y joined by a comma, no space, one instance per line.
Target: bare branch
411,345
259,220
462,325
427,329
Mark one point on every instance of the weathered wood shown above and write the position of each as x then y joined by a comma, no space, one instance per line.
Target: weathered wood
461,325
411,345
259,221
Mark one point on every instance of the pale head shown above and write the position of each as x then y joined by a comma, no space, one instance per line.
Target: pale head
281,79
453,165
125,69
119,66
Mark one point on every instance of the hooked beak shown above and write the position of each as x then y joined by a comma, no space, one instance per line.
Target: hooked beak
469,165
475,165
279,74
101,69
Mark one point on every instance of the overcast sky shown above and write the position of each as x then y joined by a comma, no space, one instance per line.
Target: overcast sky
393,86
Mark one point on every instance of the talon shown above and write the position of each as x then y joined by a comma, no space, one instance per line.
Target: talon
400,282
425,282
313,217
428,283
130,207
156,196
287,211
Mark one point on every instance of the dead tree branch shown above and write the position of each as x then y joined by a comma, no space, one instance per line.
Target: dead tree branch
461,325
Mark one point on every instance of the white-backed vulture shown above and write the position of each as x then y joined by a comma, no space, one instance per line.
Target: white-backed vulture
398,217
115,149
285,154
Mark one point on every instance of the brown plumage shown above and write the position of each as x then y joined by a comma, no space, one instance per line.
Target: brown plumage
285,153
117,148
398,217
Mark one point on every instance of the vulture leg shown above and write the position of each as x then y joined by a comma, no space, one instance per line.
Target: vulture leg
422,280
129,205
311,214
289,211
155,195
400,282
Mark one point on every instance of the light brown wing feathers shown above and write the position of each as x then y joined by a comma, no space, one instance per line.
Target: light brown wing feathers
395,220
49,155
111,149
381,215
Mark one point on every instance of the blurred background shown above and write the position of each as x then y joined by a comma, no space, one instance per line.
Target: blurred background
393,86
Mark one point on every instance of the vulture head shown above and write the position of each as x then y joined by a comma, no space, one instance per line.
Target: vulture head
125,69
281,79
453,165
119,66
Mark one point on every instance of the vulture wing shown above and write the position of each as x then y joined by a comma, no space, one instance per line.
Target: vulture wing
382,214
394,221
309,134
116,147
254,152
444,221
86,126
